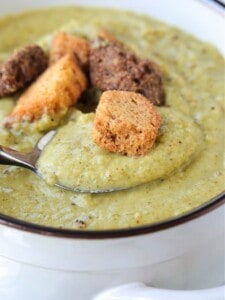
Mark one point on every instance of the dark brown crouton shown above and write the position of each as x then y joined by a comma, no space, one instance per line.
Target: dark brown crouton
114,68
64,43
126,123
57,89
23,66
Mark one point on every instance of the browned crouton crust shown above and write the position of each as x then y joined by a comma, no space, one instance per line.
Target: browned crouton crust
58,88
63,44
23,66
114,68
126,123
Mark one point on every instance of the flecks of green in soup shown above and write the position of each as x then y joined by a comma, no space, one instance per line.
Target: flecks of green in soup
193,74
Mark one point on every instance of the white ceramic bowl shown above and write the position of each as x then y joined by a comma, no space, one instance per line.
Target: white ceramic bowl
185,254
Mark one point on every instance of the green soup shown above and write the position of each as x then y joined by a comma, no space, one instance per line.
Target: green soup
181,172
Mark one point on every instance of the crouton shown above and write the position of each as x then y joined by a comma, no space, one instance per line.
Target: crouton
113,67
58,88
63,43
126,123
22,67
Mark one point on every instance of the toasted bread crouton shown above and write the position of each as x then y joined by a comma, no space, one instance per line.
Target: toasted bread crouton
58,88
112,67
63,44
23,66
126,123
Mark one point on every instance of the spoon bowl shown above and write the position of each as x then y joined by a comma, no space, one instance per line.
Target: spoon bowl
12,157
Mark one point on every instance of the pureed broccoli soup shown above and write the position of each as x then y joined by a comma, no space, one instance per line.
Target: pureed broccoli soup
185,166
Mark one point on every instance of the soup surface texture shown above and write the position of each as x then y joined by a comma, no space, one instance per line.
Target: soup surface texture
182,171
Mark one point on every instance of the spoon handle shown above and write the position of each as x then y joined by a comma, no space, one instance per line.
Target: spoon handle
12,157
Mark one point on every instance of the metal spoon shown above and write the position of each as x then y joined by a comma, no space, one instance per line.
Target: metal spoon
14,158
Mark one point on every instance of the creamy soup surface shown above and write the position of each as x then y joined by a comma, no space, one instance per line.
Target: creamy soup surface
184,169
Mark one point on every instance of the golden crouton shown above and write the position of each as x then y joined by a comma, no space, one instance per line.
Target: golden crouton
126,123
63,44
58,88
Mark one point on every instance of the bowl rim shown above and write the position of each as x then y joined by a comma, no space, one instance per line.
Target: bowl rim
201,210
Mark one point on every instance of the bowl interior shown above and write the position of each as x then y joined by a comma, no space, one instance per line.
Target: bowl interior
187,16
